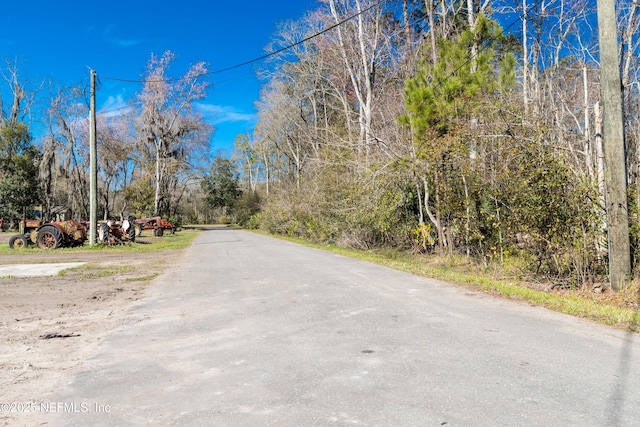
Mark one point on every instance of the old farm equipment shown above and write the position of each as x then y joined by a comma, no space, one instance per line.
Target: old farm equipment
113,233
156,223
49,235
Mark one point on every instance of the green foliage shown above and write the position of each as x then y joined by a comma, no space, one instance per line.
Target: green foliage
510,195
353,210
14,139
423,236
221,187
450,91
384,216
507,78
544,200
246,207
253,223
19,184
140,196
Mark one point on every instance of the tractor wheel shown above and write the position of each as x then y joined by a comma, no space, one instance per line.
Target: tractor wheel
158,232
131,234
48,238
18,241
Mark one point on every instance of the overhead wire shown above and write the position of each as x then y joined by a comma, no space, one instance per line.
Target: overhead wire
486,45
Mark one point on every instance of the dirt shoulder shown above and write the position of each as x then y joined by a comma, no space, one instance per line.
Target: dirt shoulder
50,325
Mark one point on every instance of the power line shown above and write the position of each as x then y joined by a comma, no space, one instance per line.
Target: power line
260,58
486,45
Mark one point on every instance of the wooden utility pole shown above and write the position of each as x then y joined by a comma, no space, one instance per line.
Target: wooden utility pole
614,147
93,169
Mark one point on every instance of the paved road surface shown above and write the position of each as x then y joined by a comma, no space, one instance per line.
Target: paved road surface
253,331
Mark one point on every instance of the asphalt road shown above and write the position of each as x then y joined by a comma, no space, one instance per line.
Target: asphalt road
253,331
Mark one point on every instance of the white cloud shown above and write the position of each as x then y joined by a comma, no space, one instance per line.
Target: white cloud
225,114
108,35
114,106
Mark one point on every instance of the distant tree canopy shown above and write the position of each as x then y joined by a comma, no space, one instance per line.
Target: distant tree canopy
221,187
19,184
149,153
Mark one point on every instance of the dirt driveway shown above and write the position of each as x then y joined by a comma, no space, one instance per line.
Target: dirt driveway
49,325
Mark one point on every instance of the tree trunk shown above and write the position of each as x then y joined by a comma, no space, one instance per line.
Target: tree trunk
407,29
432,31
158,173
434,217
525,58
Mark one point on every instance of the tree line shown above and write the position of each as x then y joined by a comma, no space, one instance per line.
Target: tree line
153,149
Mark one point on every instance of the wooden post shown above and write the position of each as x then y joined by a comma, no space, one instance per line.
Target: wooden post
614,148
93,169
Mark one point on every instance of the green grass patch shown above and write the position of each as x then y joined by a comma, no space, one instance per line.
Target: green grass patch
147,278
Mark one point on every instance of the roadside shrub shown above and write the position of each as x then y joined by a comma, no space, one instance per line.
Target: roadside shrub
545,202
246,206
253,223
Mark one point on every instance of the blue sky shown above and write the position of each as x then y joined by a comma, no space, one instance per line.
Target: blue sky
61,40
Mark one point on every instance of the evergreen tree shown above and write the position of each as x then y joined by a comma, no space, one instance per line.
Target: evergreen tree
444,103
221,188
19,185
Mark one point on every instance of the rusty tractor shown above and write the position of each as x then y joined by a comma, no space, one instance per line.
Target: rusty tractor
113,233
49,235
156,223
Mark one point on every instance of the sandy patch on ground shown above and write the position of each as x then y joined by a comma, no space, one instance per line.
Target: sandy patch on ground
49,325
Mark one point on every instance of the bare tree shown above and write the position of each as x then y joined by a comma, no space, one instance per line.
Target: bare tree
170,130
18,156
64,165
359,44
